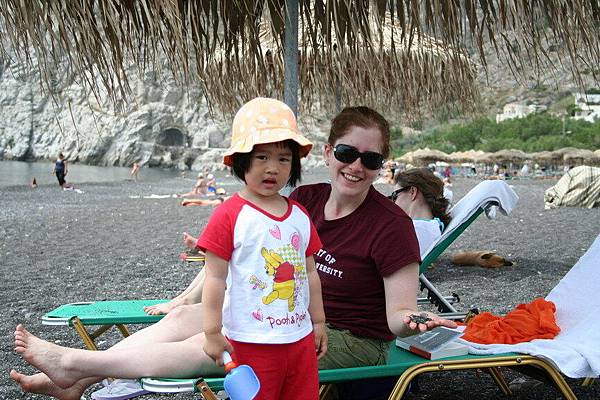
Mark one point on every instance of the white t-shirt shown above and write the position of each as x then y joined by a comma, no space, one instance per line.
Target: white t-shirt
267,295
428,231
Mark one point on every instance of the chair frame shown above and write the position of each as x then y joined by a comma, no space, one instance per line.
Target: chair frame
405,370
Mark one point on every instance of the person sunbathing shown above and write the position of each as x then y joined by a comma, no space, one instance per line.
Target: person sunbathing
200,188
421,196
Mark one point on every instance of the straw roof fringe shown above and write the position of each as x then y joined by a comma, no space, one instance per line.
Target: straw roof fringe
511,155
216,44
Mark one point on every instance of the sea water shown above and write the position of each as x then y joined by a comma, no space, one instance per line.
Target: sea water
16,173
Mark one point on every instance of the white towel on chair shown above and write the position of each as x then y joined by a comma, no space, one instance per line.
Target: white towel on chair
574,351
487,194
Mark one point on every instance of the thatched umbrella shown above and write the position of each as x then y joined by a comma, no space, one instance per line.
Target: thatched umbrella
467,156
406,158
558,156
427,156
580,157
512,155
542,157
104,36
395,76
485,158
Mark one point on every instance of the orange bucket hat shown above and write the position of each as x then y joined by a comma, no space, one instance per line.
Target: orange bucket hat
261,121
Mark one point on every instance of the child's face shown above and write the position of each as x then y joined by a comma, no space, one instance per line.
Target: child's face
270,168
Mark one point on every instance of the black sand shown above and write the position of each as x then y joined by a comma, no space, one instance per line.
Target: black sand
58,247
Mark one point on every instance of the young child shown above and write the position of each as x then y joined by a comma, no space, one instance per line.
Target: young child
262,294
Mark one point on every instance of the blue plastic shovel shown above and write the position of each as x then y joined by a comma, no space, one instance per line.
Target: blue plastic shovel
241,383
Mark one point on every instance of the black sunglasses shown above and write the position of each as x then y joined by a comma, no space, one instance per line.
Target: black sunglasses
397,192
348,154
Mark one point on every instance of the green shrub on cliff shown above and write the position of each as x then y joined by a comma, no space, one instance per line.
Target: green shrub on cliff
536,132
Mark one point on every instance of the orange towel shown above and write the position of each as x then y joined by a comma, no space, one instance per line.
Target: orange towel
525,323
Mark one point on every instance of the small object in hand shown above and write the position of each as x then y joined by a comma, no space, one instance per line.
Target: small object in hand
419,319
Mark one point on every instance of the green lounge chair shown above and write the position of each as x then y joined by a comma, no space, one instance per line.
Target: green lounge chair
103,314
401,363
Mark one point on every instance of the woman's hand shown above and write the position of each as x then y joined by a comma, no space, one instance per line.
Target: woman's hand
425,321
215,345
320,332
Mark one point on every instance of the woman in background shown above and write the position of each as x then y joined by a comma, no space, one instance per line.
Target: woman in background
421,196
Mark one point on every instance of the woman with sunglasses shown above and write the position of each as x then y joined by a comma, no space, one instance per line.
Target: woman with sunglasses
370,258
421,196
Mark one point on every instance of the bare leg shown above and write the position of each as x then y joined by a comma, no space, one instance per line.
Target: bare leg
65,366
181,323
41,384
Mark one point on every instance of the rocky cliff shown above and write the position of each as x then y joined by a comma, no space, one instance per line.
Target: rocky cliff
167,125
161,124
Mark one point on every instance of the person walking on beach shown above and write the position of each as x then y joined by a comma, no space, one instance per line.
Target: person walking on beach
135,171
61,170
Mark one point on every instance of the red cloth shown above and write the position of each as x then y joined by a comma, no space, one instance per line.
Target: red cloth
530,321
285,371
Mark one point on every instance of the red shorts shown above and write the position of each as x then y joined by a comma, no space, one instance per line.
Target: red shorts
285,371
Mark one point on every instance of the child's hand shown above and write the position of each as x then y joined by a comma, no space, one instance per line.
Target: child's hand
189,240
215,345
320,332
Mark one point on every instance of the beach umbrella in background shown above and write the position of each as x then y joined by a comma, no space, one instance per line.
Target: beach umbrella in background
509,156
558,156
485,158
580,157
468,156
405,158
542,157
106,37
427,156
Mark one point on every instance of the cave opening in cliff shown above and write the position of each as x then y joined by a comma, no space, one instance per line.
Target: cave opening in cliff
171,137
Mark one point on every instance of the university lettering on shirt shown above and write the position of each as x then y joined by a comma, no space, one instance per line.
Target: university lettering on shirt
325,262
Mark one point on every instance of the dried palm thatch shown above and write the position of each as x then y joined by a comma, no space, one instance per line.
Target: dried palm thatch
401,75
512,155
542,157
485,158
580,157
427,156
213,42
467,156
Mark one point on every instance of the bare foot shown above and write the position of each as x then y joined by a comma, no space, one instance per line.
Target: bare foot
41,384
49,358
164,308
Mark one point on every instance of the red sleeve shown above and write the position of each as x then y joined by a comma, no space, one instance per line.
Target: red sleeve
314,243
217,237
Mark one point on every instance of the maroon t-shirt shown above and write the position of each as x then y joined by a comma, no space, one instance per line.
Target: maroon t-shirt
376,240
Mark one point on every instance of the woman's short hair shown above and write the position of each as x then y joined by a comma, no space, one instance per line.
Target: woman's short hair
430,186
241,163
363,117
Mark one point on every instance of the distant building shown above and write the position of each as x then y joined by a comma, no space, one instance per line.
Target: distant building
588,107
516,110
